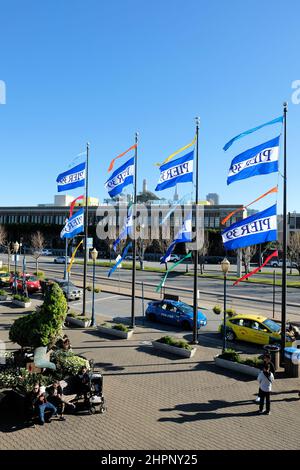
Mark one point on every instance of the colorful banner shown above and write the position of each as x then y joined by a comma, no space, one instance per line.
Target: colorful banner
256,229
72,205
120,178
120,260
259,160
162,283
178,151
111,165
183,236
74,225
275,253
73,256
177,204
254,129
272,190
176,171
126,229
71,179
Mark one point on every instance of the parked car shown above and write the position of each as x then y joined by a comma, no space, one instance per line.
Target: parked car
277,263
254,329
70,291
61,260
32,283
173,258
46,252
175,313
4,278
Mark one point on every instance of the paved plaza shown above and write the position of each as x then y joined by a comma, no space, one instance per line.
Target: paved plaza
156,401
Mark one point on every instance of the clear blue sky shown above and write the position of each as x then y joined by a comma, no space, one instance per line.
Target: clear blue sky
97,71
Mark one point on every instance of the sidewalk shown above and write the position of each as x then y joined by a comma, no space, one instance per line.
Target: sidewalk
159,402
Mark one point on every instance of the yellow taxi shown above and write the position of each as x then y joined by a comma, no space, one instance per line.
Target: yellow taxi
4,278
254,329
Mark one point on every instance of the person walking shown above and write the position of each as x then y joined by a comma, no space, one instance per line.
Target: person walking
265,379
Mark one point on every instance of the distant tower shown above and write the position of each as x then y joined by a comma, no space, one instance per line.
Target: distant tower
176,197
144,185
213,198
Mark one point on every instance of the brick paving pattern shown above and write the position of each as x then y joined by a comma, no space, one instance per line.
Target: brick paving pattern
158,402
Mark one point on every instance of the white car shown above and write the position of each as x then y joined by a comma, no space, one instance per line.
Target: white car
277,263
46,252
61,260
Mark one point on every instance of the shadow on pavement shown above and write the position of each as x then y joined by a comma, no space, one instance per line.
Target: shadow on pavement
209,410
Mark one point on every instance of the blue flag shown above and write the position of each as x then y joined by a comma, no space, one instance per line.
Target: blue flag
70,179
74,225
120,178
176,171
119,260
256,229
125,230
259,160
183,236
243,134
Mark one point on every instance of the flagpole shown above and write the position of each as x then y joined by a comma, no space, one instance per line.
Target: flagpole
86,226
195,296
133,232
284,239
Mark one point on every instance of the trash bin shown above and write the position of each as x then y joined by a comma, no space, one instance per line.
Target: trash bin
292,361
274,351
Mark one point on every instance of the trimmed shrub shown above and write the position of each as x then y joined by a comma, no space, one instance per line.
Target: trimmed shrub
42,327
97,290
178,343
230,355
217,309
21,298
39,274
67,363
121,327
230,312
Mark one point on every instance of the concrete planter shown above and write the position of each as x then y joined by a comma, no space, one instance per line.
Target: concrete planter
236,367
113,332
4,297
78,322
174,349
21,304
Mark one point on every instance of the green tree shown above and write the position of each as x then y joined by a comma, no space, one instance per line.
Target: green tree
42,327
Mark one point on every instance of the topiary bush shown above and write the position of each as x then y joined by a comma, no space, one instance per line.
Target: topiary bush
42,327
217,309
230,312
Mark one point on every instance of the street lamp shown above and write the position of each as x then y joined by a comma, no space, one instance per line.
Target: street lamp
94,255
225,265
16,247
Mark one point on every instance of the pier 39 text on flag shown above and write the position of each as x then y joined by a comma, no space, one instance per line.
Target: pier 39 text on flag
259,160
120,178
176,171
74,225
256,229
70,179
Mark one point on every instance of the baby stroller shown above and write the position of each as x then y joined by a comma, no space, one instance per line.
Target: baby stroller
91,398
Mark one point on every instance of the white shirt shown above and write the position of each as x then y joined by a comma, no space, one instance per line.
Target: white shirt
265,383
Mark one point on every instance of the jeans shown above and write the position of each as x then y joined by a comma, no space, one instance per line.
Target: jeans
264,395
46,406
